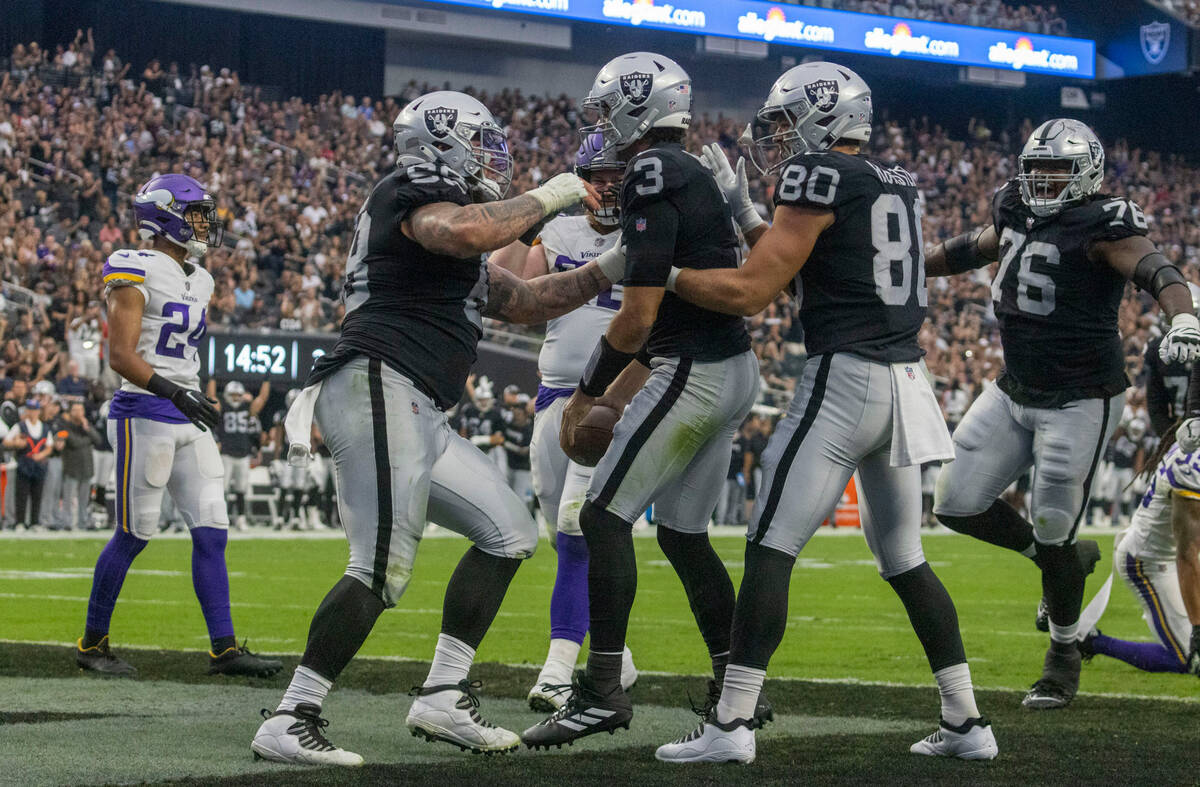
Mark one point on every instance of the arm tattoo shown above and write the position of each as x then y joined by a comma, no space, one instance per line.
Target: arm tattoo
465,230
541,298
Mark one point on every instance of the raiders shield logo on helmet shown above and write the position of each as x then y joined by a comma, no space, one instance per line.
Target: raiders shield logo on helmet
440,121
822,94
636,86
1156,38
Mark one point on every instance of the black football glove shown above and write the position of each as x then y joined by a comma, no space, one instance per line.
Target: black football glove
197,408
1193,663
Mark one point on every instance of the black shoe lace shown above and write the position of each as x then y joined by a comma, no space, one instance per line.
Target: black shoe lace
471,700
706,711
308,729
573,704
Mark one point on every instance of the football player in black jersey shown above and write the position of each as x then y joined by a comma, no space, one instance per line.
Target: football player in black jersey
1166,383
238,435
1066,252
415,291
847,238
672,444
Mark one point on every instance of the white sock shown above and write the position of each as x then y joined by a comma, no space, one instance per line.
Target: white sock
560,660
1064,634
451,661
306,686
958,695
1030,551
739,694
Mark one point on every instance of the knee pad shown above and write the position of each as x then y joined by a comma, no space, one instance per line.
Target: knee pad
569,517
1052,526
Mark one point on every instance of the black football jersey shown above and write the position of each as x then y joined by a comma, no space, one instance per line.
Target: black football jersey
674,214
862,289
415,310
1057,309
516,444
1166,388
238,431
474,422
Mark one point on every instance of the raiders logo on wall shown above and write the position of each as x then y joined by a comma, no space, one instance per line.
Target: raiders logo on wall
636,86
1156,38
440,121
822,94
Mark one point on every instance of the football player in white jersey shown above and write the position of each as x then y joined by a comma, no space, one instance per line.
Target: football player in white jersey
563,244
1157,558
159,421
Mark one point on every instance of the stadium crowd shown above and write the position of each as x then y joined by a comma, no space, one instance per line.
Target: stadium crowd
1033,18
79,133
1188,9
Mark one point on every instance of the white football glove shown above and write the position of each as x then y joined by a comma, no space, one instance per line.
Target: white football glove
560,192
734,185
1187,436
482,440
612,264
1182,342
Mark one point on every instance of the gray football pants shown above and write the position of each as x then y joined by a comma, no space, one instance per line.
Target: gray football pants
398,463
839,421
672,444
999,439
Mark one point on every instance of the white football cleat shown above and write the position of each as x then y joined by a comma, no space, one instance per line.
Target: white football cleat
549,693
296,737
241,523
972,741
629,673
450,713
712,742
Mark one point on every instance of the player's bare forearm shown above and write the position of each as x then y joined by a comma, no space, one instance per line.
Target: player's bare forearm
625,387
1125,255
467,230
718,289
511,258
631,325
1185,521
976,248
541,298
755,235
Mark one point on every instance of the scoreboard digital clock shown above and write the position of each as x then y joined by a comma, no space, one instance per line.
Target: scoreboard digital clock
250,356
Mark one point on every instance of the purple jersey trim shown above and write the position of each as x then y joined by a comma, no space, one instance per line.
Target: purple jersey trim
546,396
110,268
126,404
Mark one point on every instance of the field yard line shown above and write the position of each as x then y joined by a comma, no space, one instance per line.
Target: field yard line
846,681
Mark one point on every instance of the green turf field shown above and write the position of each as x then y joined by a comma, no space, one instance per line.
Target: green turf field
860,689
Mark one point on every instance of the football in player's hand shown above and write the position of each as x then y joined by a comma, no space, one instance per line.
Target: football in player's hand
593,434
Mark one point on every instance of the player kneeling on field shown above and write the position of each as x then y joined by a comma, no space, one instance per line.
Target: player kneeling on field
159,421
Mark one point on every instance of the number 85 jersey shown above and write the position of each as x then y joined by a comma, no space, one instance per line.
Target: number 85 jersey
1057,307
862,289
173,318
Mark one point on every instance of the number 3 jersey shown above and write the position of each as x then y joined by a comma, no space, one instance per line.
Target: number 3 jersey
862,289
173,325
569,242
1057,307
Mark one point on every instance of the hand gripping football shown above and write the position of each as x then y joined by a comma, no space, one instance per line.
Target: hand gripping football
592,435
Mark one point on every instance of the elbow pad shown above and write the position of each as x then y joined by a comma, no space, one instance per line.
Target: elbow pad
1154,273
962,252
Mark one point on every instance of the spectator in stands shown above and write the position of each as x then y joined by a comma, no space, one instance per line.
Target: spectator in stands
29,439
78,467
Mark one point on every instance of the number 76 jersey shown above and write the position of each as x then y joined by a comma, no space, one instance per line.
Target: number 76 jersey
1057,307
173,319
862,289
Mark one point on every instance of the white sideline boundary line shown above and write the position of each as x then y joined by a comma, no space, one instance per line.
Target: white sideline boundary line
846,681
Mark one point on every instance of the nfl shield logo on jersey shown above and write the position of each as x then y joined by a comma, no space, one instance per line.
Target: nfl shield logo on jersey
1156,38
911,374
440,120
640,224
636,86
822,94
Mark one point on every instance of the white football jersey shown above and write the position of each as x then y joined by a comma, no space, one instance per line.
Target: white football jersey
173,320
570,242
1150,536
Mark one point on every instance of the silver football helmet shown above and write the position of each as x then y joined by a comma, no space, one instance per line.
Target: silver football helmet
1075,161
451,128
810,107
234,391
635,93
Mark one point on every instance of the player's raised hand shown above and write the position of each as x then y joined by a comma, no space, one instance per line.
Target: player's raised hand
1182,342
1187,436
197,408
734,185
564,190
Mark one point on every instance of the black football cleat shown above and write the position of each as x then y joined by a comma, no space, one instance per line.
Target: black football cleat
587,712
100,659
1060,679
763,712
238,661
1088,553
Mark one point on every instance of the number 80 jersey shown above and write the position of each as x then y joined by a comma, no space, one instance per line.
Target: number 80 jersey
173,318
1058,308
862,289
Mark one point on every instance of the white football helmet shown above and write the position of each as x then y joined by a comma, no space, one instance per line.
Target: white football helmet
810,107
451,128
1058,141
634,93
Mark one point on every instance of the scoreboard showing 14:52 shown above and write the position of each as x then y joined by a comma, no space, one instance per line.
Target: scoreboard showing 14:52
253,356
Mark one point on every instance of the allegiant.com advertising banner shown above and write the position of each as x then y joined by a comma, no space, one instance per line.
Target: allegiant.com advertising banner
824,29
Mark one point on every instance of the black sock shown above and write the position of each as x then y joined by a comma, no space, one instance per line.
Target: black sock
612,577
604,670
92,638
239,500
341,625
474,594
932,615
1000,525
707,584
222,644
1062,582
760,617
